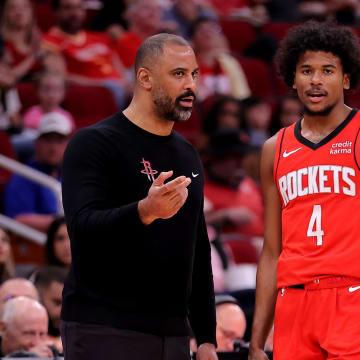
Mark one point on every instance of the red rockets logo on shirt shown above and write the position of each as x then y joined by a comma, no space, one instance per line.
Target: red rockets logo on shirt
148,170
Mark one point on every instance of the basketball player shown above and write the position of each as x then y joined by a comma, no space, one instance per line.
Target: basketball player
133,200
309,268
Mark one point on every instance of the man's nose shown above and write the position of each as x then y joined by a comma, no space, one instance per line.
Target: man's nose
190,84
316,78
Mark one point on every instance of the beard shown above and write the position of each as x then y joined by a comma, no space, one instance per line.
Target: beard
171,110
324,112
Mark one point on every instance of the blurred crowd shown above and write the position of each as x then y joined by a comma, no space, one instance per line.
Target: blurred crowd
65,64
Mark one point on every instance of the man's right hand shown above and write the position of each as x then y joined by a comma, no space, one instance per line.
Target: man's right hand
43,349
257,354
164,200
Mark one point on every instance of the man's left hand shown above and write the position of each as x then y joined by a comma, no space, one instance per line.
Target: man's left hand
206,351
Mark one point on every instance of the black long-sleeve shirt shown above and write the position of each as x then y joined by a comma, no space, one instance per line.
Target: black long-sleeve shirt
125,274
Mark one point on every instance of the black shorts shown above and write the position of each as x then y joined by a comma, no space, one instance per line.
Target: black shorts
99,342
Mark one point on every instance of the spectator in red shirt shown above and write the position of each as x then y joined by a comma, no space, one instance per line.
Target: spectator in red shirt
235,199
89,57
221,72
22,37
144,19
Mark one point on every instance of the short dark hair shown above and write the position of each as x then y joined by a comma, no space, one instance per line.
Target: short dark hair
48,274
153,47
319,36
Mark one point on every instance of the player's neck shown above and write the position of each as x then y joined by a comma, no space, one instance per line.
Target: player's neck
315,128
142,114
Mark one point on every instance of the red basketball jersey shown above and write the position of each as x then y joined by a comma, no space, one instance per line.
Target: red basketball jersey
318,185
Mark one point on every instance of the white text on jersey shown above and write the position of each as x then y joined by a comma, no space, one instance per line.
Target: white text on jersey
317,180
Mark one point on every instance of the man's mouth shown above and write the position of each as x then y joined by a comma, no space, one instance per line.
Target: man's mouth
316,96
187,101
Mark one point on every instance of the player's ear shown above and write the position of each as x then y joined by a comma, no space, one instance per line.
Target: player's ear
346,81
144,78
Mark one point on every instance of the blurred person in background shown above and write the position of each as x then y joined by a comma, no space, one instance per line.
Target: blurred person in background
90,58
16,287
7,268
224,113
49,281
23,327
185,13
51,93
57,247
27,201
220,72
10,119
22,38
256,117
235,199
289,110
253,11
144,18
231,323
344,11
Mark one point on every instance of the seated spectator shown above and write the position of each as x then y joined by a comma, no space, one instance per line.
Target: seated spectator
23,328
57,247
185,13
10,119
289,111
236,204
7,269
225,113
22,38
51,93
17,287
49,281
220,72
144,20
90,58
344,11
256,117
27,201
230,323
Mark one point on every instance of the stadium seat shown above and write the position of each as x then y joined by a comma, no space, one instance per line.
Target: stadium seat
244,252
27,94
258,77
89,104
277,29
45,17
6,149
239,33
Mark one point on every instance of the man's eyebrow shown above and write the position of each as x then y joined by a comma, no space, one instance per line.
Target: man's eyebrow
179,69
308,66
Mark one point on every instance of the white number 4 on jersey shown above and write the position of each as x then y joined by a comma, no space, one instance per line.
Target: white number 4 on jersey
314,228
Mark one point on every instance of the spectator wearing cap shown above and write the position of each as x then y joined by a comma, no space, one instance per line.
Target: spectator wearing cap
231,323
235,200
27,201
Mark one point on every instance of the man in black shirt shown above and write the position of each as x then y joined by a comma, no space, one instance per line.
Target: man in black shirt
133,200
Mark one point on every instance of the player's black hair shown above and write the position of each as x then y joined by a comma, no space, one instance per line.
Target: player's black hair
319,36
153,47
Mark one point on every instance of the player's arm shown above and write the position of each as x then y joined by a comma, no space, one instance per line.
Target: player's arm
266,291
